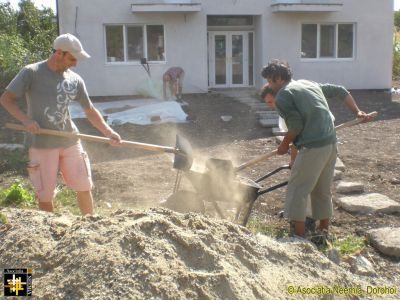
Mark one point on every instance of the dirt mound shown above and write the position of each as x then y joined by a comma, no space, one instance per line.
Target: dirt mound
159,254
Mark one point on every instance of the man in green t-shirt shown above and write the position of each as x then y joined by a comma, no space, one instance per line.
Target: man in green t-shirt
303,106
49,86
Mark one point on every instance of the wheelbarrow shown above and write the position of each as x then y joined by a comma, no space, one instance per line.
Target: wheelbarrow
220,183
211,187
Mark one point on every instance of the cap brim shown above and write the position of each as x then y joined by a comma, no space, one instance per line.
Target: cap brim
80,55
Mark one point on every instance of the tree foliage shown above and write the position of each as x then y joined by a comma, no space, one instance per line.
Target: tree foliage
396,55
397,20
26,36
8,21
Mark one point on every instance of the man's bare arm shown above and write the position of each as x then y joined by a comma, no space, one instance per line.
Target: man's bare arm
9,102
285,144
96,119
352,105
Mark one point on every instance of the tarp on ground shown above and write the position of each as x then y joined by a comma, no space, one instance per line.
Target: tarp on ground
138,111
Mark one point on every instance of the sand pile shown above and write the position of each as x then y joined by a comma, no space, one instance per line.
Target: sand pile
159,254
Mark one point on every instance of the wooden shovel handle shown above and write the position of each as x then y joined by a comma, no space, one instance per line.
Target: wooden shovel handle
256,160
97,139
356,121
273,153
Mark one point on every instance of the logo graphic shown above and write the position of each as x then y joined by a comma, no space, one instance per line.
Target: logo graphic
18,282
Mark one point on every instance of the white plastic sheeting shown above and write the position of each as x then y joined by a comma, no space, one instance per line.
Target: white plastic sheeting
140,111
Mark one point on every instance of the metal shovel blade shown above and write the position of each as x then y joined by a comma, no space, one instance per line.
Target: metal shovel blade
184,154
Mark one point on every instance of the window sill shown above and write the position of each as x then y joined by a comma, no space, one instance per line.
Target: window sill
311,60
125,63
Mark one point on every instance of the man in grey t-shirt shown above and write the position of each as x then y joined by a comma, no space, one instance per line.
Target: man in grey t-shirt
49,87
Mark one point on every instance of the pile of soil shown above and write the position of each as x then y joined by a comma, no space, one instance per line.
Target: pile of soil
159,254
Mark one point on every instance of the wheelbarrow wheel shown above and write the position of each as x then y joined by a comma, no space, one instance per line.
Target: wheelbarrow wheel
184,202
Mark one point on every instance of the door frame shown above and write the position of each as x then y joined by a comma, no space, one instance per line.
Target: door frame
228,58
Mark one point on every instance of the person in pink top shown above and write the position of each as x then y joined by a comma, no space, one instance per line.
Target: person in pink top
174,78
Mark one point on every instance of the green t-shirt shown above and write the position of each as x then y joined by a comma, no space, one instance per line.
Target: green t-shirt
48,95
303,106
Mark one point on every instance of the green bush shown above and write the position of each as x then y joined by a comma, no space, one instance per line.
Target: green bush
17,196
12,57
396,55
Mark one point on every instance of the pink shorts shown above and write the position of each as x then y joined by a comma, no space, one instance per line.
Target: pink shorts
44,165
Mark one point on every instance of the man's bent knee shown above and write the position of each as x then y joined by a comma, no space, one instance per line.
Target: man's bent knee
45,196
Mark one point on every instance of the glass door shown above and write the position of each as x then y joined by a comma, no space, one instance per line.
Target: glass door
228,59
237,62
220,59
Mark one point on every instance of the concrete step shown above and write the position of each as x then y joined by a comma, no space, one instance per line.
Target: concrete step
369,204
268,123
277,131
257,106
267,114
346,187
248,100
266,110
12,147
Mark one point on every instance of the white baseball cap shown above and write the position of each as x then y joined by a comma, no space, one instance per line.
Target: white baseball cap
70,43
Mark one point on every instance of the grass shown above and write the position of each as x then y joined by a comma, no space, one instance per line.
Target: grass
20,195
66,200
349,245
346,246
257,225
3,219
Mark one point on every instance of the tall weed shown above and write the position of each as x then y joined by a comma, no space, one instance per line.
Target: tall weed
17,195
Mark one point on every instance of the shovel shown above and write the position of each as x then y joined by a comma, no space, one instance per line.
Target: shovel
225,166
183,150
275,152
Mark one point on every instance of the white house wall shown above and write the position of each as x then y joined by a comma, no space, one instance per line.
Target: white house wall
185,42
372,65
277,35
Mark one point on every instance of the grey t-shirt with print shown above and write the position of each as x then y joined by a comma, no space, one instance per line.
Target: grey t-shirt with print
48,96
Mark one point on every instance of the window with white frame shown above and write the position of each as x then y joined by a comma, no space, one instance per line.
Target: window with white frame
130,43
327,41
